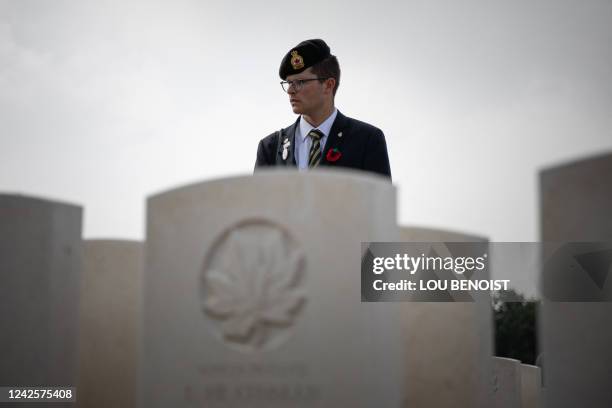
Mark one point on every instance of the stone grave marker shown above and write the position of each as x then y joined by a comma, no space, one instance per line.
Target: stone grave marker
252,294
110,319
40,264
448,344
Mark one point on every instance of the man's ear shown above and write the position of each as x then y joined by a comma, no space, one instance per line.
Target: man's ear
330,83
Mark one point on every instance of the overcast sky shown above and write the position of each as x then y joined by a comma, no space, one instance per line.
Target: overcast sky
104,103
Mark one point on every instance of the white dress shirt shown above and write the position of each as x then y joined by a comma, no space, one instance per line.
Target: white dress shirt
303,142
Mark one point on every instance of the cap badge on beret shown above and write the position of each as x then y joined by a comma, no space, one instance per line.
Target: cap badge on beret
297,62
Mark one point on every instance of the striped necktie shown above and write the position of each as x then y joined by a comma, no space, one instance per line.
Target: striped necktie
315,149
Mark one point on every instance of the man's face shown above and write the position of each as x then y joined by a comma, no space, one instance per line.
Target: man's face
310,98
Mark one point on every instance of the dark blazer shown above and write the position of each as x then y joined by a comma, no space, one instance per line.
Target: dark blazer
358,145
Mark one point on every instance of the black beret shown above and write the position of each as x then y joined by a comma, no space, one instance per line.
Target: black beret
302,56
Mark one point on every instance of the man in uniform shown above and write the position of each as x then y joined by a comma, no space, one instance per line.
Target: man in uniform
321,135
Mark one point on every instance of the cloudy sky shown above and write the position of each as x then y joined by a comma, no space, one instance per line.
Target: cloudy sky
105,103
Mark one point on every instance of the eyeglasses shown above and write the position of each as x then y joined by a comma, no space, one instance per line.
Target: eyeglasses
298,83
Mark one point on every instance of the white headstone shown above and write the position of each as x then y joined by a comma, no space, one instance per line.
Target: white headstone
531,386
576,203
448,345
40,263
507,385
252,294
110,320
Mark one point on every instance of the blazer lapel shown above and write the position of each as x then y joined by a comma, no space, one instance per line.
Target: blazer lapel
288,134
335,138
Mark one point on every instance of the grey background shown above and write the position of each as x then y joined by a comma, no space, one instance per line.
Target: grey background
105,102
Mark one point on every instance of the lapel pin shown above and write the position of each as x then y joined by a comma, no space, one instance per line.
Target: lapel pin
286,144
339,134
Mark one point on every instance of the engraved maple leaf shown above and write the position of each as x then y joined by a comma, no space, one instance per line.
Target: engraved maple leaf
254,286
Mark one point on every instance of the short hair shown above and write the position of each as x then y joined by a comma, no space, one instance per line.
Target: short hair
328,68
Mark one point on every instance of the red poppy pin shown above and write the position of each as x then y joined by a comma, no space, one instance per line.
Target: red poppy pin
333,155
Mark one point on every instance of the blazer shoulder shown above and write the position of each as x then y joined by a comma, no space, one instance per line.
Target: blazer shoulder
268,147
271,138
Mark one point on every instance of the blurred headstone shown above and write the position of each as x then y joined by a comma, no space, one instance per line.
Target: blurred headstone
109,323
531,386
507,383
448,345
575,336
252,294
40,264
